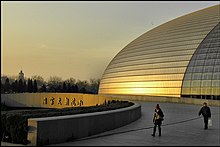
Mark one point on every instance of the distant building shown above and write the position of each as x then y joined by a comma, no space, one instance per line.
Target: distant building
21,76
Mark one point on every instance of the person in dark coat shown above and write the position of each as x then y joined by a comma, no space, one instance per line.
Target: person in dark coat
206,113
157,119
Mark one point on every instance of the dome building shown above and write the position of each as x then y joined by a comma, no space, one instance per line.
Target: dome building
21,76
180,58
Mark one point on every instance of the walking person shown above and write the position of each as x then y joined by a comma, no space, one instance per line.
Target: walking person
157,119
206,113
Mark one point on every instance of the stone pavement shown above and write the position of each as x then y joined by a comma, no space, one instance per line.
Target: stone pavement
182,127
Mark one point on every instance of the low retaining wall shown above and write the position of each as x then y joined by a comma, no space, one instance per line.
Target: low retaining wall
52,100
51,130
181,100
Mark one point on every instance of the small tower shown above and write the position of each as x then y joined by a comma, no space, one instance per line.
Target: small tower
21,76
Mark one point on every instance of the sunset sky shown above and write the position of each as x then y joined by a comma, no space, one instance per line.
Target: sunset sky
77,39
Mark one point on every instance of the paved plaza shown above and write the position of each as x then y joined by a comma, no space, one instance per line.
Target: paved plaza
182,126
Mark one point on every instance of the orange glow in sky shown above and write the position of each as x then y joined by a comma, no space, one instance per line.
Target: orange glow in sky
77,39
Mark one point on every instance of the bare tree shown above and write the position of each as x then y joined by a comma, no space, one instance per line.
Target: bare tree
82,84
94,85
39,79
54,84
71,80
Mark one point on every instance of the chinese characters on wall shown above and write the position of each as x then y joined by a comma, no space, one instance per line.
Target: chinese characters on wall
62,102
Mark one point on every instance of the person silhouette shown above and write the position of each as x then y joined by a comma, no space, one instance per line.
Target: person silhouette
206,113
157,119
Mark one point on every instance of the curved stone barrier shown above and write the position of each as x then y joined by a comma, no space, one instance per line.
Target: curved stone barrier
51,130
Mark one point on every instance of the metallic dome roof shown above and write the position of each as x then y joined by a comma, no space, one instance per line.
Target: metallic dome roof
156,62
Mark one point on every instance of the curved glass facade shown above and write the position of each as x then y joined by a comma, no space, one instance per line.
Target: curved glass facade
155,63
202,77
